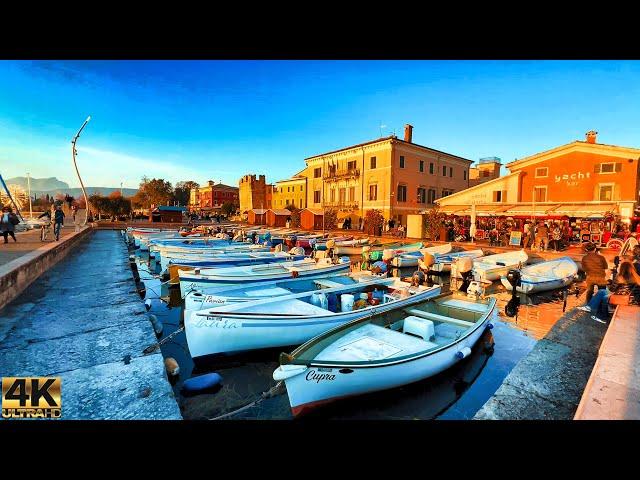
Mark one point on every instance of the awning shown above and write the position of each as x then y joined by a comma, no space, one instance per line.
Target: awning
481,210
586,210
531,210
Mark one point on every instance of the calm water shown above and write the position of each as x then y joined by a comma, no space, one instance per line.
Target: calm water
457,393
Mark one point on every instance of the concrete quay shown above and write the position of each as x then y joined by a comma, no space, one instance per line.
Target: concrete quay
83,321
613,390
549,382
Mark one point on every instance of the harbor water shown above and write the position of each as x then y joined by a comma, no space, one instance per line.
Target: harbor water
457,393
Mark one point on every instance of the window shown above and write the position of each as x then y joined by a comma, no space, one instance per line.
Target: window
317,172
605,191
446,192
451,172
401,161
373,192
288,189
332,195
302,188
316,196
608,167
422,165
464,174
500,196
373,163
486,173
351,165
431,168
540,194
431,195
422,197
342,193
542,172
352,194
444,171
300,203
402,193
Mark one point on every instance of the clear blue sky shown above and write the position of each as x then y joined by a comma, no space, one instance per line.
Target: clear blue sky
218,120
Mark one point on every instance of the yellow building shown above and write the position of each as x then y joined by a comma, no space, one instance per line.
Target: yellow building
254,193
488,168
395,176
292,191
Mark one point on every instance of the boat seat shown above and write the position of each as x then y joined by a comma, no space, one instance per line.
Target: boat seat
327,283
419,327
438,318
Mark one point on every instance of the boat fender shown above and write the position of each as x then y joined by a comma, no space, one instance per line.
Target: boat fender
157,324
490,325
464,353
202,382
172,366
147,304
344,260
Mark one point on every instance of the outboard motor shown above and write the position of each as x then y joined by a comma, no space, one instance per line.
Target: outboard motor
418,278
511,309
614,270
464,266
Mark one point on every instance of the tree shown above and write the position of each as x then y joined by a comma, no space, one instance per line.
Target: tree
227,208
373,222
434,221
152,192
330,219
182,192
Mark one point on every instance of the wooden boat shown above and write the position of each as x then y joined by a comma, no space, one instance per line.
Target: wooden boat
253,291
164,257
352,247
544,276
204,279
308,241
410,259
381,352
492,267
291,319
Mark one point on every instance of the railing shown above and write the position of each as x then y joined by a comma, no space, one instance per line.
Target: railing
342,205
338,174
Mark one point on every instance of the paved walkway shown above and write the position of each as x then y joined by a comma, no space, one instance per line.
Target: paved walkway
548,383
613,391
27,242
83,321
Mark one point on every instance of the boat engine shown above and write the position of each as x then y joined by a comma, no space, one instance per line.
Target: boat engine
418,278
511,309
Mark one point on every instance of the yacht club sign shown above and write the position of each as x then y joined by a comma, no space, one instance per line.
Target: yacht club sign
571,178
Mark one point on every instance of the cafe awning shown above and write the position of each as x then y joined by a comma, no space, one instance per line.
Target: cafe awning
481,210
531,210
586,209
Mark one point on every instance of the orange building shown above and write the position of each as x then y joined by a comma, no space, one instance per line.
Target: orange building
578,180
277,217
254,193
311,219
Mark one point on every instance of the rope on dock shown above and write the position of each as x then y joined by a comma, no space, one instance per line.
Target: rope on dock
272,392
155,346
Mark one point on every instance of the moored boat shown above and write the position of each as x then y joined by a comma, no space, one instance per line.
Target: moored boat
381,352
543,276
410,259
443,262
492,267
293,319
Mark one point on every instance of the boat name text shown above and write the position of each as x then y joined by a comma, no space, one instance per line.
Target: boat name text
317,377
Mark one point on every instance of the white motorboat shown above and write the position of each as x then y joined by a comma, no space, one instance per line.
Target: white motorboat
410,259
443,262
544,276
384,351
492,267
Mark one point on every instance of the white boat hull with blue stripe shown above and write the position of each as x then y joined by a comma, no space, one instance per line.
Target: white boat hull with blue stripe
545,276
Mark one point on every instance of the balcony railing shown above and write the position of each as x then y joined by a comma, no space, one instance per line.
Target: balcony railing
342,205
339,174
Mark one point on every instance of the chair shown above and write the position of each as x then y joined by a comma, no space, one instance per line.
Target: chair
419,327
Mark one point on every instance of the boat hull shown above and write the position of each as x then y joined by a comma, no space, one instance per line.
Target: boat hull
314,387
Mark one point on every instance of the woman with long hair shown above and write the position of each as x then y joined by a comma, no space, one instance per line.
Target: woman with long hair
627,283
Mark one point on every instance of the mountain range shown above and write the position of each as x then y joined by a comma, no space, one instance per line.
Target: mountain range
53,186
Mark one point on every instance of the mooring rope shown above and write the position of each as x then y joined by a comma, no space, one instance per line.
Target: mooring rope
272,392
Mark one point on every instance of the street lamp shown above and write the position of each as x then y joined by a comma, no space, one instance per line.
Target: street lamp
74,152
29,187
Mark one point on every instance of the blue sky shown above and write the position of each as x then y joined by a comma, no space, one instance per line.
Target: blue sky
201,120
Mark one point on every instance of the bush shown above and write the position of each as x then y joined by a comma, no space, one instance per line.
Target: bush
373,222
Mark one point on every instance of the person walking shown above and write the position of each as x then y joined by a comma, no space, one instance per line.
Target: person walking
59,221
542,236
595,266
556,236
8,222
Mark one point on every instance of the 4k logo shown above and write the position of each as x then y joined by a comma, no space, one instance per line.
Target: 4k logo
31,397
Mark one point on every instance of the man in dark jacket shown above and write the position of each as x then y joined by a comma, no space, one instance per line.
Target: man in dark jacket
8,222
596,267
59,221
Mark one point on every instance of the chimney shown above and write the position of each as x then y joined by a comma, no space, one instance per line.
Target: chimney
591,136
408,130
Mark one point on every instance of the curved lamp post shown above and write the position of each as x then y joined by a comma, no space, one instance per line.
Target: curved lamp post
74,152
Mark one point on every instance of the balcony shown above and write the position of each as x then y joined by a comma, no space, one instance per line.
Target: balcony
343,206
334,175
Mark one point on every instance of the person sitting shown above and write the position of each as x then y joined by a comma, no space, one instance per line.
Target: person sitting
627,283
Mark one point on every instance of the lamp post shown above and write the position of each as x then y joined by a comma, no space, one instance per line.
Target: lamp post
74,152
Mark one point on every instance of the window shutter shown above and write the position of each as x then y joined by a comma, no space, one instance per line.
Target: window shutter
596,168
618,167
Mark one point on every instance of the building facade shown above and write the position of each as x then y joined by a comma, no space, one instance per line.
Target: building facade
254,192
576,180
395,176
488,168
292,191
212,196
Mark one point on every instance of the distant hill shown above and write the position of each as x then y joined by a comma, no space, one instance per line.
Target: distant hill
38,184
53,186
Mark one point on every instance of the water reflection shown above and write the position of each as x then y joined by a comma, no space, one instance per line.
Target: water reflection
246,376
